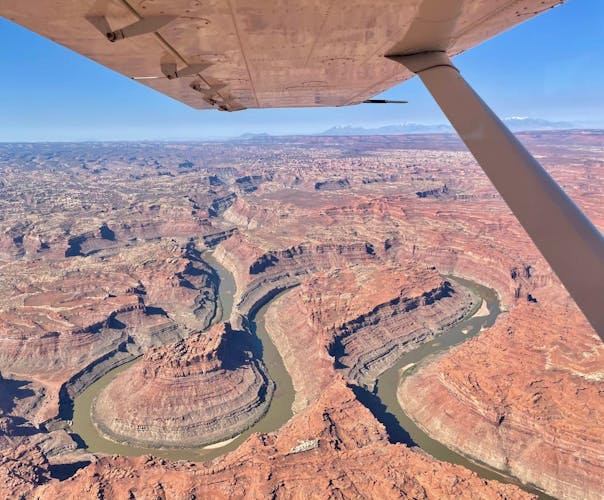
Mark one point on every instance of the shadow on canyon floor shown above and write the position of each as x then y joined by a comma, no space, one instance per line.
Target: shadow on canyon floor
396,433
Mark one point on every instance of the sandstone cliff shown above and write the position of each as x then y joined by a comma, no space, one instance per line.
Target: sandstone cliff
526,396
335,449
68,322
359,320
204,389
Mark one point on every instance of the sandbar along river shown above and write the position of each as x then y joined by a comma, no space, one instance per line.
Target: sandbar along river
387,406
279,411
384,404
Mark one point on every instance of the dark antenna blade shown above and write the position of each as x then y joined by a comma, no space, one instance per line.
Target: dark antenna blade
383,101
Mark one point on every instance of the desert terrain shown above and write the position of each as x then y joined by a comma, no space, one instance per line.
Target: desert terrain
219,319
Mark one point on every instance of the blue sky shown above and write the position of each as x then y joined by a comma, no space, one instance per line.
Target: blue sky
549,67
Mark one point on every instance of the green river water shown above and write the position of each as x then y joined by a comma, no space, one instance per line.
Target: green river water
383,402
279,411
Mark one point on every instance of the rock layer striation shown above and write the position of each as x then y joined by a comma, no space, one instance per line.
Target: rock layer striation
526,396
198,391
358,320
335,449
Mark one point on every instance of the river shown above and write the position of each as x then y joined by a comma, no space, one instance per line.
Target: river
400,427
383,403
279,411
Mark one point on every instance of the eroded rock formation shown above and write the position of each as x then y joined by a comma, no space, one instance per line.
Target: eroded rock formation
21,469
124,217
201,390
261,273
526,396
358,320
69,322
335,449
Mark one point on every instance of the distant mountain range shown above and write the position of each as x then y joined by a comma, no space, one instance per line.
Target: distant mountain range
526,123
252,137
402,128
515,123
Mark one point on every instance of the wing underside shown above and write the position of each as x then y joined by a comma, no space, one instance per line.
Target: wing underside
237,54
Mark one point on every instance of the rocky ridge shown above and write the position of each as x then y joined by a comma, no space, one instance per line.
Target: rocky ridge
526,396
201,390
358,320
335,449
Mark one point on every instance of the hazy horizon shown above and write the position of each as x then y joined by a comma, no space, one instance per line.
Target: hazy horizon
548,68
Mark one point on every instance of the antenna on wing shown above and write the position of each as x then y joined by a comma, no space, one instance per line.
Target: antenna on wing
383,101
170,70
210,94
143,26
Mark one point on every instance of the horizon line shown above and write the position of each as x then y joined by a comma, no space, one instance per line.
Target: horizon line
259,135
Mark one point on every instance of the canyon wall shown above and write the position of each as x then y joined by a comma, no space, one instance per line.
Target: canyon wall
334,449
525,396
358,320
201,390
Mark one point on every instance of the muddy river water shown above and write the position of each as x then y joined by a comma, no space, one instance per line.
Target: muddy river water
279,411
383,402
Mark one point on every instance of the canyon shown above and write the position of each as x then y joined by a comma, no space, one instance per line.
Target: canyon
351,246
64,322
204,389
544,408
355,322
346,443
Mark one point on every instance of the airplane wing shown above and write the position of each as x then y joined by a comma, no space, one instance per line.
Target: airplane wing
237,54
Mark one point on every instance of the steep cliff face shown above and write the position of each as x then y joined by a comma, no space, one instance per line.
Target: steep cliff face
357,321
65,323
372,342
183,286
261,273
248,214
20,408
335,449
304,349
57,320
219,205
201,390
526,396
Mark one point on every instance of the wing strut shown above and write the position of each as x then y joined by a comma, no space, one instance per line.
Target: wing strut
567,239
